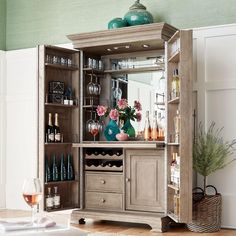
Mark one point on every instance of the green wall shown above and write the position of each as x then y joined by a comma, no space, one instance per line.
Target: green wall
2,24
32,22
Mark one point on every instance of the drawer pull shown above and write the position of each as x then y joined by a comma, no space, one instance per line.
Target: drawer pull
103,181
103,200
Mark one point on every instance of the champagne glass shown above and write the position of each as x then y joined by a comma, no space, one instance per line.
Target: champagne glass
32,194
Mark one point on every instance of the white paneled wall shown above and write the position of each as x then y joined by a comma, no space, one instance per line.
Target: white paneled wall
2,127
215,53
21,115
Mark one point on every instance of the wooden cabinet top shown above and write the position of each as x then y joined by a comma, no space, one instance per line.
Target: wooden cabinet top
127,39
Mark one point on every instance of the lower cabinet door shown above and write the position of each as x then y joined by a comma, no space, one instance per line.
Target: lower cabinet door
104,201
145,180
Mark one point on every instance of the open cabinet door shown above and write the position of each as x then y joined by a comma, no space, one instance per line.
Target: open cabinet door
58,93
179,126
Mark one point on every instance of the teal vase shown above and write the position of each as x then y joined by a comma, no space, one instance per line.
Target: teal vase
117,23
111,131
129,129
138,15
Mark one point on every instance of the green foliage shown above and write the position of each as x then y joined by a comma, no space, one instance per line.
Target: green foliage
210,151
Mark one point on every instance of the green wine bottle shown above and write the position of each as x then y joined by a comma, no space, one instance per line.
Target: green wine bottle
70,169
55,173
63,174
48,174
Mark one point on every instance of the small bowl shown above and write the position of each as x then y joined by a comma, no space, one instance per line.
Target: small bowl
122,136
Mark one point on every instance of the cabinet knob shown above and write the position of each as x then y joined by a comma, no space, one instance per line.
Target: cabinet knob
127,179
103,181
103,200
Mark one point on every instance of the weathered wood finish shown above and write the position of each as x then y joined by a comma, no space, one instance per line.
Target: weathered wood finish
144,180
97,42
184,105
68,121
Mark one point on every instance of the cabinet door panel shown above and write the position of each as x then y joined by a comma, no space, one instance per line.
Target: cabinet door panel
145,183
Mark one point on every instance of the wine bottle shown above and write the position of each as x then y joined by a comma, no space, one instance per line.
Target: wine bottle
147,128
49,200
177,126
161,129
70,169
155,130
56,199
175,88
50,137
63,175
57,132
48,174
55,174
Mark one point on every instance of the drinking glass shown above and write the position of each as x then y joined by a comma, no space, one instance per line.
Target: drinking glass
32,194
94,129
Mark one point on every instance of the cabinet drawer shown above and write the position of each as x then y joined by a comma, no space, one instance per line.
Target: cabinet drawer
104,182
107,201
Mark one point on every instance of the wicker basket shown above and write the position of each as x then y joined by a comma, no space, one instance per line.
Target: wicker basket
206,211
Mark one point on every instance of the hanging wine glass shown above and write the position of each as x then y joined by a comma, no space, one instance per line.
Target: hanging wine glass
89,122
97,86
90,86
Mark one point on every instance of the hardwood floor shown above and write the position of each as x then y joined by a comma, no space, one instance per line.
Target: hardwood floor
121,228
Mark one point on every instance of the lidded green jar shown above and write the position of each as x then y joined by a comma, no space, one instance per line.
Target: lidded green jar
138,15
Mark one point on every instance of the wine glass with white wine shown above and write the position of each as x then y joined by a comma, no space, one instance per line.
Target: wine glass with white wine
32,194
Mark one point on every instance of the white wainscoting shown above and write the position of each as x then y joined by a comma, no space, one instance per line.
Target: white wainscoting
2,127
215,57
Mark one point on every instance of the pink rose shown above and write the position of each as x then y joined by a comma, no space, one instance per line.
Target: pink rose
137,105
101,110
122,104
114,114
138,116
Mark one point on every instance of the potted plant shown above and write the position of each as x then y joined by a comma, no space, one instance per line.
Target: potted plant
210,153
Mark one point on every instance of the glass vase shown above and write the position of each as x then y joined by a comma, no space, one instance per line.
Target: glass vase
111,130
129,129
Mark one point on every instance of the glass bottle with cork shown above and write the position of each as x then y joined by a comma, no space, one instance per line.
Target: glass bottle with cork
175,85
50,136
155,129
147,128
49,200
57,132
177,126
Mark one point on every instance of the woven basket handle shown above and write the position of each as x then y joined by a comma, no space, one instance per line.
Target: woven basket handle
198,194
197,189
211,186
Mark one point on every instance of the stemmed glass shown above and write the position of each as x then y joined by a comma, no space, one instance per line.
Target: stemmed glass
32,193
94,128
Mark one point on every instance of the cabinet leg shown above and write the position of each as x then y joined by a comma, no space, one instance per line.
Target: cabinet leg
165,221
82,221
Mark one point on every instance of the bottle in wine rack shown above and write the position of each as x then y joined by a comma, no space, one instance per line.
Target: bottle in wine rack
70,169
50,136
57,132
56,199
63,175
48,174
49,200
55,172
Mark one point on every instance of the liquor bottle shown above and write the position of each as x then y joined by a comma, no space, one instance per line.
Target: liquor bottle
172,168
48,174
70,169
161,129
56,199
55,173
50,137
176,203
177,126
175,85
57,132
155,130
147,128
49,200
63,175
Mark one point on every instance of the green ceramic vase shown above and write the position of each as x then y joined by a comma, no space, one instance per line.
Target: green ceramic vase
129,129
138,15
117,23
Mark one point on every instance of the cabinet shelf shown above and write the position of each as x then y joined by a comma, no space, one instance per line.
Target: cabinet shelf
174,101
174,37
58,66
173,187
174,57
55,144
63,208
133,70
60,105
173,216
104,168
118,144
173,144
92,70
62,182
